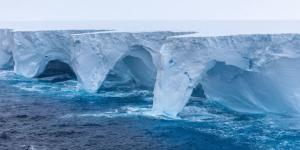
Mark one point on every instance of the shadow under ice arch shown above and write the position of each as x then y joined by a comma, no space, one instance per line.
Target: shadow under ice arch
140,62
56,71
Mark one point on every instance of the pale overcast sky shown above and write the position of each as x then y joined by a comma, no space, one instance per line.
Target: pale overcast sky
80,10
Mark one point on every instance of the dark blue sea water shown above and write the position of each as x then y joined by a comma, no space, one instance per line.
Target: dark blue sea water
41,115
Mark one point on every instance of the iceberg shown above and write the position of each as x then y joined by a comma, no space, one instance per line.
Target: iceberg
6,46
248,73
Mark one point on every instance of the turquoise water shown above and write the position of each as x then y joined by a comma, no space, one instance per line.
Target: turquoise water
38,114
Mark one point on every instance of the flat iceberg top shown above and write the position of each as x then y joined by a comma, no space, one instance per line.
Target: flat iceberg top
204,28
102,33
199,35
151,39
58,31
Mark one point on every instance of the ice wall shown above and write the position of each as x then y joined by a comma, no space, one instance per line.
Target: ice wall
189,61
97,53
6,46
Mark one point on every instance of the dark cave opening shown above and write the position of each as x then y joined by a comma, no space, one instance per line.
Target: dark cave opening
56,71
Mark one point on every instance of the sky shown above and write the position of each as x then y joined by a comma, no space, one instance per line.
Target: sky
99,10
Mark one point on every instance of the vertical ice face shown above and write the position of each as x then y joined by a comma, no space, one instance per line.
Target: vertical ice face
189,61
6,46
98,53
34,49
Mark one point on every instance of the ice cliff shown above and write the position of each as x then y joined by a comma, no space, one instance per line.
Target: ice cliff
6,47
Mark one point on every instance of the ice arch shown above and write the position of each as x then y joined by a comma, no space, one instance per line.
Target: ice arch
136,69
186,61
6,46
34,49
96,54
